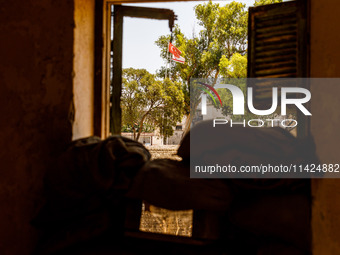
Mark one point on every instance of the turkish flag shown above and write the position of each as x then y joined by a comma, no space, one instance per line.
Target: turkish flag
179,59
176,52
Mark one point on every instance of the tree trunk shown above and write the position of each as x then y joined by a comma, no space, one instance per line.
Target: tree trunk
187,124
141,125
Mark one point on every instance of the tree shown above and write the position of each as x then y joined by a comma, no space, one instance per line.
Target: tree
150,102
264,2
234,69
224,33
219,50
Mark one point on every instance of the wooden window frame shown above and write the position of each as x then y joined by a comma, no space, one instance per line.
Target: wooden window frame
209,222
102,59
102,66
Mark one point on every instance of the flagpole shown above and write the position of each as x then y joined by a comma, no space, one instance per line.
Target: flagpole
170,67
167,56
167,62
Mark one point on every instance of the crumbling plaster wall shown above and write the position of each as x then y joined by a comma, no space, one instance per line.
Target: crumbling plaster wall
83,68
36,56
325,122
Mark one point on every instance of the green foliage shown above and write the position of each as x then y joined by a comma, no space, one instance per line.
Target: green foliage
147,101
224,30
263,2
226,96
218,51
224,33
235,67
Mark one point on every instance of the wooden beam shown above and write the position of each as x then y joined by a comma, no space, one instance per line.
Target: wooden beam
98,68
116,111
149,13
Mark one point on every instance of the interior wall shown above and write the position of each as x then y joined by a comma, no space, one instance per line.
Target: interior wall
36,56
83,68
36,95
325,122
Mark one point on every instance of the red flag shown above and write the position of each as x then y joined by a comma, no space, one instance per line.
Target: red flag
176,52
179,59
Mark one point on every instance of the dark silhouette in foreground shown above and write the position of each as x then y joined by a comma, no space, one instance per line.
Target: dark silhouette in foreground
89,190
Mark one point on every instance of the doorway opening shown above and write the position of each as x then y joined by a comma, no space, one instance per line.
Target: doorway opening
145,132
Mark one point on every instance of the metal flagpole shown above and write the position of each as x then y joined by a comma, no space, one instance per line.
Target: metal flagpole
170,66
167,60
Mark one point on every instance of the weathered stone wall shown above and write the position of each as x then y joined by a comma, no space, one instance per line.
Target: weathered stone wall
164,151
162,221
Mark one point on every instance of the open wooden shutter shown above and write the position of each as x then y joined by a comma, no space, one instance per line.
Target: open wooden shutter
277,45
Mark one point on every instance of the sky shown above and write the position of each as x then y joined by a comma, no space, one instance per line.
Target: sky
139,35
